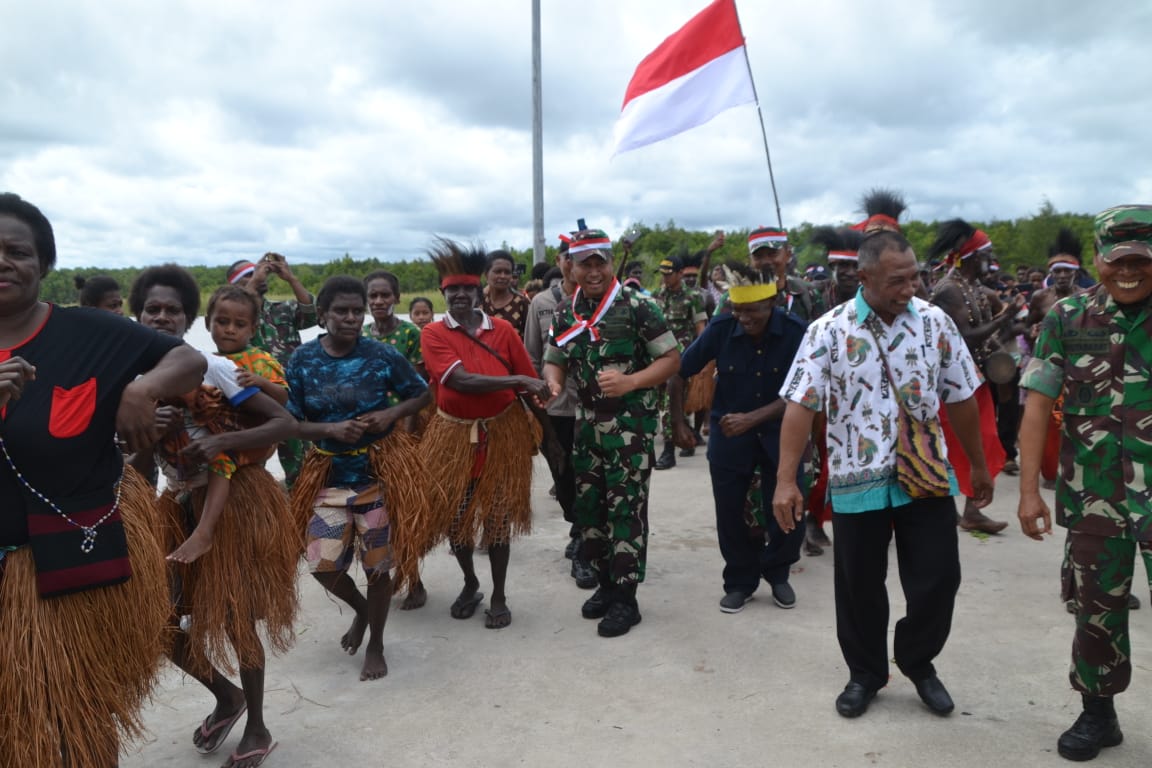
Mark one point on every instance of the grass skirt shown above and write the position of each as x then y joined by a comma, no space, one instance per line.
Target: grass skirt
248,576
398,463
75,669
499,508
701,387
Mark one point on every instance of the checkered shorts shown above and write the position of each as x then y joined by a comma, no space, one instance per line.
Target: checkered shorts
344,522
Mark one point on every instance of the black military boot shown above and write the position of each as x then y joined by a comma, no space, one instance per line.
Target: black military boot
623,613
667,458
1096,727
596,607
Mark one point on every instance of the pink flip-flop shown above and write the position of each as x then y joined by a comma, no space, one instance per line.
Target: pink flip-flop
214,736
261,753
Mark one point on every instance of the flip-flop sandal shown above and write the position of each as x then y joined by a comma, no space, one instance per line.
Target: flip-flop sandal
497,619
215,735
260,753
465,607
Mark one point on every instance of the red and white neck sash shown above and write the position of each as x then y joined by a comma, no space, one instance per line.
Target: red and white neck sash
586,324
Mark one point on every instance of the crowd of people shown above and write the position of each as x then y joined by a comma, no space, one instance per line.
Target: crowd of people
866,394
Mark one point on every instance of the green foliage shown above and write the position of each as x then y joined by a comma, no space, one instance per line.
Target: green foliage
1022,241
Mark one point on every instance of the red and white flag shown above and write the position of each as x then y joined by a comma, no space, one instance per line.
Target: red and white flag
694,75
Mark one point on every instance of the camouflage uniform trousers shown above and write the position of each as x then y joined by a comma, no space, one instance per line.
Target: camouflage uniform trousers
755,514
291,455
663,403
613,464
1096,576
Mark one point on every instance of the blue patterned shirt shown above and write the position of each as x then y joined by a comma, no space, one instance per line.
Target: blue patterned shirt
329,389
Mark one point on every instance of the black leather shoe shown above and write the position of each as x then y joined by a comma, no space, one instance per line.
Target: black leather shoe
1096,727
667,458
935,695
855,699
596,607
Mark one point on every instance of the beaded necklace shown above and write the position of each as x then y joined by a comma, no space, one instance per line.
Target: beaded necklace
979,310
89,541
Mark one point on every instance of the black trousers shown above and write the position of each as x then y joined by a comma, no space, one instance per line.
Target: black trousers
1008,410
750,555
928,554
565,480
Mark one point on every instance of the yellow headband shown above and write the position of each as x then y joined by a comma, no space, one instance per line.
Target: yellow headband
750,294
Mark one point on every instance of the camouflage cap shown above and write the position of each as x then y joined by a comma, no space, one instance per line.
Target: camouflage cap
590,242
1124,230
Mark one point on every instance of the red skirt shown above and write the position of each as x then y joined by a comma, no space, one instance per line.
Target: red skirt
818,505
994,455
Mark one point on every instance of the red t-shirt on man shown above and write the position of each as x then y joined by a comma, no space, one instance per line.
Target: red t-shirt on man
446,345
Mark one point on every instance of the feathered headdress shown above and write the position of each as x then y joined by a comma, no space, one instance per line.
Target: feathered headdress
882,208
457,264
747,285
956,240
842,243
694,259
1067,252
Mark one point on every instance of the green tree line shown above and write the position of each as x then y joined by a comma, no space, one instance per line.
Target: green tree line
1017,242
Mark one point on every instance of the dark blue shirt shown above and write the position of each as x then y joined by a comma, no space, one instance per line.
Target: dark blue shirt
749,376
322,388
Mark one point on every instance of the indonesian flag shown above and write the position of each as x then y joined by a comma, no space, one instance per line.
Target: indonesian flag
694,75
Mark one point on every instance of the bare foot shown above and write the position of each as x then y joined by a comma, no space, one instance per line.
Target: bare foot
415,598
375,667
354,636
194,547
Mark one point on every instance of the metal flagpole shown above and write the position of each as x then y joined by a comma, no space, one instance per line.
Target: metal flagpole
537,143
763,131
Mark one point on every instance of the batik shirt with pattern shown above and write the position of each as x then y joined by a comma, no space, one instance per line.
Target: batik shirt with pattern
1099,357
259,362
278,332
838,370
515,311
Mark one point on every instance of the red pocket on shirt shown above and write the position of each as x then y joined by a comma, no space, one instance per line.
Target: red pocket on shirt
72,409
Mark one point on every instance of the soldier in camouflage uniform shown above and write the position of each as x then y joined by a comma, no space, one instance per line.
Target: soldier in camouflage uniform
616,345
1095,350
278,329
769,252
683,309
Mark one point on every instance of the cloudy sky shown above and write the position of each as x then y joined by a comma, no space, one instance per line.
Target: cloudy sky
205,131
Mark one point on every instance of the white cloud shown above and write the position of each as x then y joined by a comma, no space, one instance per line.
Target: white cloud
204,132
